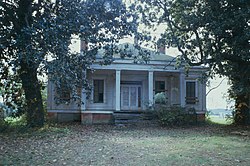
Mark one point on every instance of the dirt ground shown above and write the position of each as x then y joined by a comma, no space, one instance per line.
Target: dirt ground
76,144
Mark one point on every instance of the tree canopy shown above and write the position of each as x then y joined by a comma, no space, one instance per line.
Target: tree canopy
35,38
210,33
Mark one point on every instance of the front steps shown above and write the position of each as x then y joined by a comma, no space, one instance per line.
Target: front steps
133,117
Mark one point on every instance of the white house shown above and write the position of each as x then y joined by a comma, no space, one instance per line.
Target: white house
127,86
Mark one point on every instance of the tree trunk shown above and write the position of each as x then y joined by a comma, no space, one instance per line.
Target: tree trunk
33,97
242,113
28,70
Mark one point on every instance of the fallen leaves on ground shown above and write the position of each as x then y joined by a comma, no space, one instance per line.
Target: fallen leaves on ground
76,144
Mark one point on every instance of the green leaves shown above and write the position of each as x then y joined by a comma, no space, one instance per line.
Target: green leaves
35,39
210,33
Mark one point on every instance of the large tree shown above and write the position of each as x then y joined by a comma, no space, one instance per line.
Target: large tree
210,33
35,36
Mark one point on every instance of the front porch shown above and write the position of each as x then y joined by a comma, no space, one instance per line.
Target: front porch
133,90
119,91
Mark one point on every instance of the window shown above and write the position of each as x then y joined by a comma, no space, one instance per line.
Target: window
159,86
160,96
191,92
63,92
98,91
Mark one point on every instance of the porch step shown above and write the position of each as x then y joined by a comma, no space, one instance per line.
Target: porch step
128,117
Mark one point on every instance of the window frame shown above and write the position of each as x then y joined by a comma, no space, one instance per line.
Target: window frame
190,99
63,93
156,90
93,91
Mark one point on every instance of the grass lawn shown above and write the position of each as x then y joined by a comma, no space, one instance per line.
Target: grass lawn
75,144
220,120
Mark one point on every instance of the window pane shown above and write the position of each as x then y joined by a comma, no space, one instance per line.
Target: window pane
159,86
190,93
133,96
190,89
98,91
160,95
125,95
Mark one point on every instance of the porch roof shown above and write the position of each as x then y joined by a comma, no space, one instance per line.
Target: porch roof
152,66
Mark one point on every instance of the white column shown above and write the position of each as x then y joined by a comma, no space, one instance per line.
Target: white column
204,96
171,100
182,89
150,88
83,94
117,90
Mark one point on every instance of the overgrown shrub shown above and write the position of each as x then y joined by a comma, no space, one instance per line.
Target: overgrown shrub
16,121
176,116
160,98
10,124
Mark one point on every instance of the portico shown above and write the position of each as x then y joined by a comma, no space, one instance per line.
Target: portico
130,90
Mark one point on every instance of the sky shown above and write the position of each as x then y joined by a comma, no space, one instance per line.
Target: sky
217,98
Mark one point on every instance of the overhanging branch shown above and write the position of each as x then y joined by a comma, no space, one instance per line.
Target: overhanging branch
215,86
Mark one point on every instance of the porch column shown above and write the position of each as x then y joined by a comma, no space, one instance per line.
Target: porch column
83,93
204,96
182,89
150,88
117,90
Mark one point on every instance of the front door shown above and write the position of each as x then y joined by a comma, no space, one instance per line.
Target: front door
130,97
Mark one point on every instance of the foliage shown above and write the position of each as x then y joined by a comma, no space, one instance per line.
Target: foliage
19,121
241,114
160,98
175,116
5,111
35,38
10,124
13,96
209,33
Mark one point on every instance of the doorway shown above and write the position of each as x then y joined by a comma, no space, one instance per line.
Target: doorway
130,97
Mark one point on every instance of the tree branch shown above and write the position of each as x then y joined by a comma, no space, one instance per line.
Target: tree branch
165,67
215,86
200,47
169,23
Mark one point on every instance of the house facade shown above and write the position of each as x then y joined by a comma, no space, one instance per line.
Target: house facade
128,86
